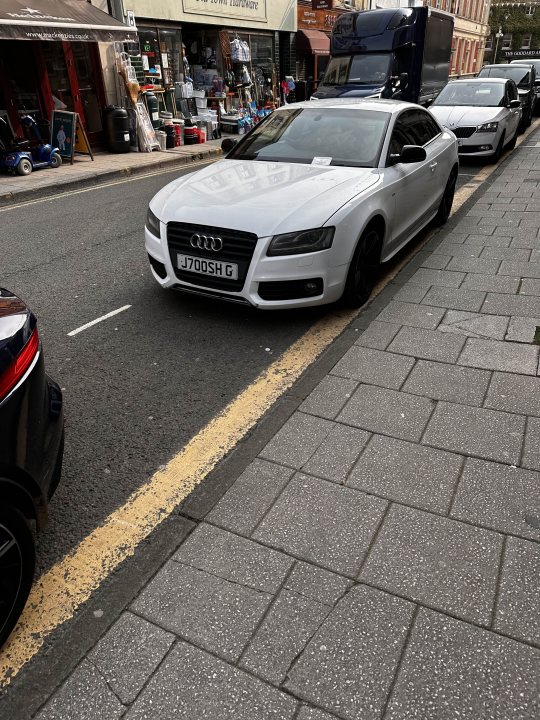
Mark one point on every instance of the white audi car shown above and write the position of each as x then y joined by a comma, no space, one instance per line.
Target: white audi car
483,113
305,207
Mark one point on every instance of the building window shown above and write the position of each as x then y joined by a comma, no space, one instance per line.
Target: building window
526,41
489,43
507,41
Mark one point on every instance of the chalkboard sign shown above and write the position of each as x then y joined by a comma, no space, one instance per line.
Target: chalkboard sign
63,128
68,135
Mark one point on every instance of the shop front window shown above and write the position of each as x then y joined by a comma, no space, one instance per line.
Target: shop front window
86,75
161,52
150,56
55,62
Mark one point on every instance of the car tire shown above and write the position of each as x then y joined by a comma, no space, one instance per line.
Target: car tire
56,160
445,206
364,268
498,152
24,167
17,565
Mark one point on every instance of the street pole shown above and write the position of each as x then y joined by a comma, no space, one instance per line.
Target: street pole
498,36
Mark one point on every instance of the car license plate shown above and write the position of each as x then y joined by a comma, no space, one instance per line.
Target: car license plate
204,266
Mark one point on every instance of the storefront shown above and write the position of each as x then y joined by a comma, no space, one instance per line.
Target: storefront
187,44
49,58
313,45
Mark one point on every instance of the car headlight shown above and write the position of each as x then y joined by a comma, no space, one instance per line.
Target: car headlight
305,241
488,127
152,223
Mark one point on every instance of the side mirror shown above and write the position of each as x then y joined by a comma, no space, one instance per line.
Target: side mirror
412,154
514,103
227,144
403,80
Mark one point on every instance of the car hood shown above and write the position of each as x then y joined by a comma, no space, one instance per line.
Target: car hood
451,116
266,198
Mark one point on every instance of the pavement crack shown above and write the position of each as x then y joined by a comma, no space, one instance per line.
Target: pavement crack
105,680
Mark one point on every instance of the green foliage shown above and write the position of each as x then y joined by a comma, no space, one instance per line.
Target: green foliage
514,20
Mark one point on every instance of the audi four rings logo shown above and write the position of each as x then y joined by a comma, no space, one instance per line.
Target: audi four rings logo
206,242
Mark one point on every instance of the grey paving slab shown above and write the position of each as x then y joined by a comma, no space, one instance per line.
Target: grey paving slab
509,254
500,497
330,395
84,696
520,269
455,299
488,434
407,473
411,293
427,344
323,523
491,283
233,558
315,583
375,367
337,454
453,383
514,393
387,412
531,449
192,685
129,653
535,255
378,335
425,276
449,250
245,503
530,286
497,355
454,670
436,261
308,713
474,325
436,561
451,236
283,634
482,265
501,304
517,609
522,329
525,240
297,440
486,239
402,313
213,613
348,666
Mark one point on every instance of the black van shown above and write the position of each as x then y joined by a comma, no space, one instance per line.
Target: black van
524,75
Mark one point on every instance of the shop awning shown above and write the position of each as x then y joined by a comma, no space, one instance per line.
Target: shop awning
314,41
70,20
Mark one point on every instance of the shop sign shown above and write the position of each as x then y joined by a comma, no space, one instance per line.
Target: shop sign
522,54
316,19
322,4
254,10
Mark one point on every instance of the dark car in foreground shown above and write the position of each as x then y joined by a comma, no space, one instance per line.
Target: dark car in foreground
31,450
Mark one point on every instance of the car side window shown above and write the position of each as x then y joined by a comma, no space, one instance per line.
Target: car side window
430,128
404,133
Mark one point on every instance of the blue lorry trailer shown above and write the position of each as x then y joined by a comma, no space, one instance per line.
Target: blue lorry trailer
401,53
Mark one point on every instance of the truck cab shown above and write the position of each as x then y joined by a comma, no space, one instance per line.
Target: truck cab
401,53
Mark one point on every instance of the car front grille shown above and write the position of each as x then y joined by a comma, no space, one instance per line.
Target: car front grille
238,247
464,132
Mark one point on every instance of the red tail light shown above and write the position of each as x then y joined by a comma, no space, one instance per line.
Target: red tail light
20,365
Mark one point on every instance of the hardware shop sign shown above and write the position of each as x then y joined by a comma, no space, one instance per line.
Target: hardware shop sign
239,9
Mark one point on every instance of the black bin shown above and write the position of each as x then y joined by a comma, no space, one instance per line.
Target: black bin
116,129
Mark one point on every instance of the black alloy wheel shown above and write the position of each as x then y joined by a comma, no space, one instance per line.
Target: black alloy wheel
447,200
364,268
498,152
17,564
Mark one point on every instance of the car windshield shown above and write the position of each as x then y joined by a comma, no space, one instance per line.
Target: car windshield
521,76
473,93
317,136
372,69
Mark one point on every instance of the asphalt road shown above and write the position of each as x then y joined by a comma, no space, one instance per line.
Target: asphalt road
138,386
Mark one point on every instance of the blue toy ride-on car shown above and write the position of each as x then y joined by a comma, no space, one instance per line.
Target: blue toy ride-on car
23,156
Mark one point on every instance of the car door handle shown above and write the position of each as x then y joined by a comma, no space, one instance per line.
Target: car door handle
433,166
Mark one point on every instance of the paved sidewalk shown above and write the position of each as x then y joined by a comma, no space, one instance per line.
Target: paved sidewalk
105,167
380,557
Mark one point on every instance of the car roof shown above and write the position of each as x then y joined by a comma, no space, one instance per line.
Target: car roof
497,65
388,106
482,80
